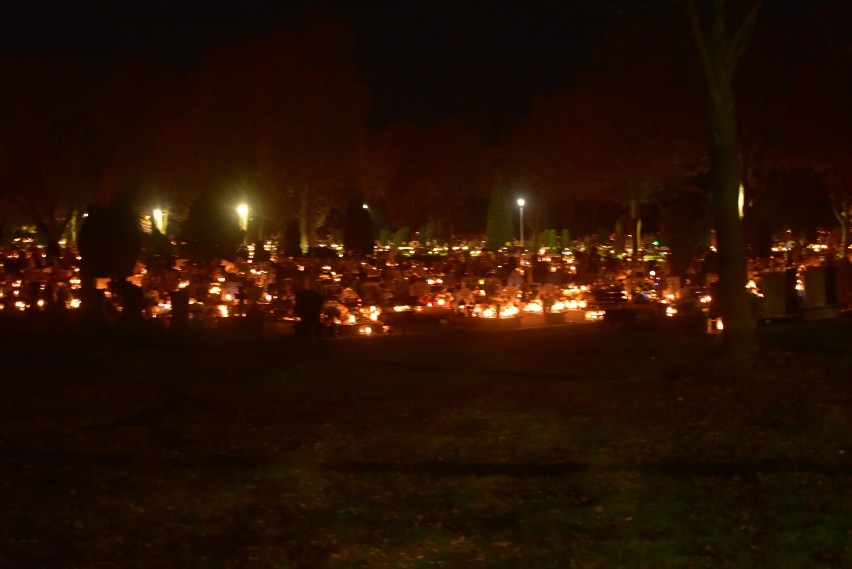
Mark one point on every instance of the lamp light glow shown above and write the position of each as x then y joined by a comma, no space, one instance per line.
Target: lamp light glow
521,203
242,212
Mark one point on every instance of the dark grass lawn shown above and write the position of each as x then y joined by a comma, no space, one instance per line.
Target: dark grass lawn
583,446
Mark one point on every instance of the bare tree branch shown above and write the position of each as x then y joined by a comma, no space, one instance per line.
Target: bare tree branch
699,34
738,42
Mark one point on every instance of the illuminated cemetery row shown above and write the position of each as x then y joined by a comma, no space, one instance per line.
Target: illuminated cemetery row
362,294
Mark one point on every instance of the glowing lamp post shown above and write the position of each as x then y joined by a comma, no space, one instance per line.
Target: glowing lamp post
242,214
521,203
159,220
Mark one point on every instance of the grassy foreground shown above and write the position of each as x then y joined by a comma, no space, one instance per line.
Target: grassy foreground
581,446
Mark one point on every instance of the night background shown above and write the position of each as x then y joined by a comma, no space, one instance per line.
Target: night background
422,61
426,284
424,108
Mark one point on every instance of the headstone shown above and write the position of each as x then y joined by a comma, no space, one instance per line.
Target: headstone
180,307
820,287
820,293
308,309
133,302
777,293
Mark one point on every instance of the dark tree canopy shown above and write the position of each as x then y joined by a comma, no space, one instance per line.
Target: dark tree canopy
685,222
211,230
358,228
110,240
499,227
49,167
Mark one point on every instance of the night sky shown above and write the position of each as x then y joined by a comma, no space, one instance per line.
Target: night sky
421,60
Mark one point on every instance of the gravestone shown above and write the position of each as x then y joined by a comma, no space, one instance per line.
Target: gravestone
779,294
820,293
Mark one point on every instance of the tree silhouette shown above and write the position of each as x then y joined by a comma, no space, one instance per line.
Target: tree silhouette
685,222
110,240
623,130
281,119
109,243
794,116
358,229
48,165
211,230
434,175
498,226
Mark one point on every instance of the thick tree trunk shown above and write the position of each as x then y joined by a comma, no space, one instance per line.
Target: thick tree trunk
720,44
738,336
842,215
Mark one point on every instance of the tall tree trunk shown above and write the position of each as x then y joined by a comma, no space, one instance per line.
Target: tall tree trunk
720,44
738,337
841,212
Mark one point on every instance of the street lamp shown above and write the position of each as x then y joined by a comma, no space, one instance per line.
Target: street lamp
242,215
242,212
160,217
521,203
